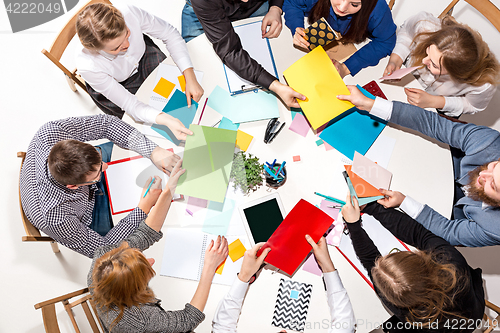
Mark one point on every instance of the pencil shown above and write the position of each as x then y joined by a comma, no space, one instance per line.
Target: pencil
203,110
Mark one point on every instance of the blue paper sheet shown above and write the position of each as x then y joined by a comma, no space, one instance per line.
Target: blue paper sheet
218,217
225,123
246,107
177,108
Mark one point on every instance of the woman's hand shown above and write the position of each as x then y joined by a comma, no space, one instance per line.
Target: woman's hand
422,99
341,68
216,253
175,125
174,176
358,99
350,211
273,21
391,199
193,88
395,63
299,38
321,253
148,201
287,94
251,263
163,159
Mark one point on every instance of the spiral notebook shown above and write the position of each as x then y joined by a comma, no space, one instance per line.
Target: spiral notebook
292,304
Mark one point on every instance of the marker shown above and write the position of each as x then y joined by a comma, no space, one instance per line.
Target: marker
203,110
152,181
281,167
330,198
270,172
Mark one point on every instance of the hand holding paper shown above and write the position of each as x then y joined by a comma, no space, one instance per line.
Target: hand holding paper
358,99
252,263
175,125
216,254
164,160
396,74
321,253
392,199
350,211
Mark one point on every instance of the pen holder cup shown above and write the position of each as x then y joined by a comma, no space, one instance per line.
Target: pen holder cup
273,183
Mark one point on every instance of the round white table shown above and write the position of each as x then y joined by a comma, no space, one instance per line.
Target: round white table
412,158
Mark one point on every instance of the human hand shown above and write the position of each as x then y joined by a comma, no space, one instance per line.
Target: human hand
273,21
174,176
148,201
358,99
216,253
299,40
341,68
391,199
390,68
165,160
175,125
193,88
350,211
321,253
422,99
251,263
287,94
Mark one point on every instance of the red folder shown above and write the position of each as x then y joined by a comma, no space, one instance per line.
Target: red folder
288,243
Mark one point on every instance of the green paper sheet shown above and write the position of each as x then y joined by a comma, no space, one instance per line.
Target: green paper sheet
208,158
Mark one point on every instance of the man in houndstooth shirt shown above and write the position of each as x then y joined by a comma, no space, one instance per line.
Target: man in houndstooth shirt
58,186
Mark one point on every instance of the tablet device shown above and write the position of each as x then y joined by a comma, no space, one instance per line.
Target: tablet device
262,217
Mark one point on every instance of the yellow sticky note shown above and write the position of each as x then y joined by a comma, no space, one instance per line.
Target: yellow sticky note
243,140
220,268
315,77
182,82
236,250
164,87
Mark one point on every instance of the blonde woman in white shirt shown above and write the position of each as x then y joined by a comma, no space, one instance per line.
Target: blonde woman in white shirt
457,70
117,57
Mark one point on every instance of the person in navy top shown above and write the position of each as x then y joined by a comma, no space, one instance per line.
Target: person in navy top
355,20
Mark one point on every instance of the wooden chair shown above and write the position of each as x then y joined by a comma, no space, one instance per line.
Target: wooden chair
492,322
32,233
59,46
49,314
485,7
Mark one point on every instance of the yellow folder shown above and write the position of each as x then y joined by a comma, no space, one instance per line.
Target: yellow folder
315,77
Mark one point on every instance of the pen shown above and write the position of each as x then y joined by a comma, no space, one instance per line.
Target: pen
281,167
330,198
152,181
270,172
203,110
335,206
216,123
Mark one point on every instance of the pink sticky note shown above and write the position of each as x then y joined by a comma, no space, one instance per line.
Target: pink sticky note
296,158
335,234
195,204
300,125
398,74
311,265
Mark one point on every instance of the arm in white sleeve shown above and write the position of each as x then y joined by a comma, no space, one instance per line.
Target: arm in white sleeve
343,320
381,108
473,102
411,207
229,308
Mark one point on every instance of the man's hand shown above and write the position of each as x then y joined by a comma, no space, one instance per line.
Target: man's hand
251,263
299,40
164,159
174,176
193,88
321,253
148,201
341,68
358,99
391,199
287,94
422,99
350,211
273,21
175,125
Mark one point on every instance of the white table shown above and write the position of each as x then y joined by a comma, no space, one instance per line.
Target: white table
412,158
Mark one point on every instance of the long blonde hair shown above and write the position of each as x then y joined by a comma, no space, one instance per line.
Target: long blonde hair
417,282
99,23
465,55
120,280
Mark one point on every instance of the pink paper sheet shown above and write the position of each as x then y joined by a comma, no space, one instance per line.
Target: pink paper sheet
398,74
312,266
195,204
300,125
335,234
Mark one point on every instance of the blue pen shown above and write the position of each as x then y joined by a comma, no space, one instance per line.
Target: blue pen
274,162
281,167
152,181
270,172
330,198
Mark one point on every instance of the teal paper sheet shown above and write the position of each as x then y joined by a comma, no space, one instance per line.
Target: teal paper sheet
177,108
218,217
225,123
241,108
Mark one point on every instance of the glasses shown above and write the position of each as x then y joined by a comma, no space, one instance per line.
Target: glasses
98,179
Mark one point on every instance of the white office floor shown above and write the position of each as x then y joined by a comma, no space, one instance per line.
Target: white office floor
33,91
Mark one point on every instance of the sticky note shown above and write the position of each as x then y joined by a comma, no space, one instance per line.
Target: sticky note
236,250
243,140
296,158
182,82
319,142
164,87
294,294
220,268
299,125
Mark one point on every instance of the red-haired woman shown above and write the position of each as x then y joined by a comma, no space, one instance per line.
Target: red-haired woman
355,20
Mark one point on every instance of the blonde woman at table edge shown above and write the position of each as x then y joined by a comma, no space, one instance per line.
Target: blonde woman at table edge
458,71
117,56
119,276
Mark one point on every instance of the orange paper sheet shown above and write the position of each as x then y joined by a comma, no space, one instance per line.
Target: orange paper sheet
236,250
362,187
220,268
164,88
182,82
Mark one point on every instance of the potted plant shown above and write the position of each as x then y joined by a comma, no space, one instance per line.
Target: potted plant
246,172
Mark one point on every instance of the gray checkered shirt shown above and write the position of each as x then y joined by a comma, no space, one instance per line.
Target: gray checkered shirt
65,214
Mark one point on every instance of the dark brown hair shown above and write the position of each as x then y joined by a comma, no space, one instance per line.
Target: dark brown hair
466,57
99,23
418,282
120,280
357,31
71,161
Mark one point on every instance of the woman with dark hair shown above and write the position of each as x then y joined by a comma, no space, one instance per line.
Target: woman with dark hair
431,289
457,70
354,20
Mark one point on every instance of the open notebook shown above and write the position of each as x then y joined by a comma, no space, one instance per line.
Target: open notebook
184,256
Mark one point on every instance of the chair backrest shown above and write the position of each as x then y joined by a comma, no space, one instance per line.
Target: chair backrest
61,43
49,314
32,233
485,7
492,322
391,4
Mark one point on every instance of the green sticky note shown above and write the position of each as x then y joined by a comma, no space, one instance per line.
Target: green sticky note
208,158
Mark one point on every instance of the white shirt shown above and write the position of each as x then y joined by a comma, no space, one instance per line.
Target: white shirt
343,321
459,97
103,71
